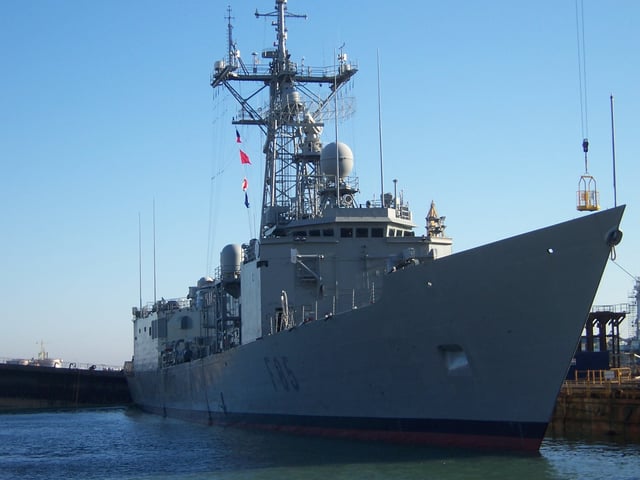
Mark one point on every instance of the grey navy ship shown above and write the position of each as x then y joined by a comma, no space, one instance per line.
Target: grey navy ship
346,318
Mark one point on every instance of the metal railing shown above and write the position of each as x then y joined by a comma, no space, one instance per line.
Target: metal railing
601,377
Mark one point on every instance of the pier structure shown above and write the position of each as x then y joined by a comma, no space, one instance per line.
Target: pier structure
28,387
606,320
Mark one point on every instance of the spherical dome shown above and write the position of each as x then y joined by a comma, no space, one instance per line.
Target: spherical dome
230,259
328,159
204,281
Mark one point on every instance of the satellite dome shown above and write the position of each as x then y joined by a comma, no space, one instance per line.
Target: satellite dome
328,159
204,281
230,261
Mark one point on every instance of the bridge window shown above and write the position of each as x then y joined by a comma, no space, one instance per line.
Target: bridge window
346,232
362,232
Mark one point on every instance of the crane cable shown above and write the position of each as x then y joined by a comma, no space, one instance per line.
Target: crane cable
582,78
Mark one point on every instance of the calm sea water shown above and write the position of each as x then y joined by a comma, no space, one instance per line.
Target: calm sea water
128,444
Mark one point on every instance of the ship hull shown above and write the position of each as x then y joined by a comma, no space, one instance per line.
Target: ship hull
468,350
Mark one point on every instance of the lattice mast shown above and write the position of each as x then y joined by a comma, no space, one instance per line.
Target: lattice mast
291,123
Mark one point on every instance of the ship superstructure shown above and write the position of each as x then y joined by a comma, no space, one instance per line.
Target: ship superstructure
346,318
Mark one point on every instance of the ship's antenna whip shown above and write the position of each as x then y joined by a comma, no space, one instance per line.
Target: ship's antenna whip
154,251
613,153
230,43
380,134
140,259
335,123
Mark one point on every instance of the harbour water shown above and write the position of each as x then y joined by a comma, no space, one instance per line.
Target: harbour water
124,443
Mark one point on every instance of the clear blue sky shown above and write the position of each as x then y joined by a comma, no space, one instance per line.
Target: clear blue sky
105,107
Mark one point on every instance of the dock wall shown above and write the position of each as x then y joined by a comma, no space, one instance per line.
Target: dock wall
606,408
28,387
